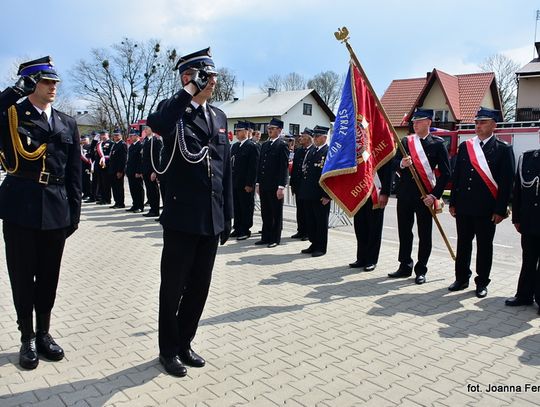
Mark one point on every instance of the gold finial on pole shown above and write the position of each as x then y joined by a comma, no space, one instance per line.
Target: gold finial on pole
342,34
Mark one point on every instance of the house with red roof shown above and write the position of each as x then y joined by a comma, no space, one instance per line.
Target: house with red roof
455,99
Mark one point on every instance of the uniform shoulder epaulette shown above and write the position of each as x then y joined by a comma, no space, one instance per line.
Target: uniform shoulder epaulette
528,152
216,108
438,138
63,115
501,141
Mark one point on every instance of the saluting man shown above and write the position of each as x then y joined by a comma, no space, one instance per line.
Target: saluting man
481,188
315,200
198,205
526,220
426,152
40,200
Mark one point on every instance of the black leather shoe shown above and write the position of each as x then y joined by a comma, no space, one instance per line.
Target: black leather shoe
260,242
28,357
309,250
481,292
400,273
190,358
317,254
151,215
234,233
137,211
420,279
356,265
271,245
242,237
370,267
173,366
46,346
297,236
130,209
304,239
458,285
516,302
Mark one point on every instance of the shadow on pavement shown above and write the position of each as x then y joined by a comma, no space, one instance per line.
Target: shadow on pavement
492,321
309,276
251,313
531,350
95,392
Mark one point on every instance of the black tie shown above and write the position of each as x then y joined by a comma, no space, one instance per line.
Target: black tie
44,117
482,144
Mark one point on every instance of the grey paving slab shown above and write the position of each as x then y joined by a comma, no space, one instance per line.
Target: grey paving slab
279,329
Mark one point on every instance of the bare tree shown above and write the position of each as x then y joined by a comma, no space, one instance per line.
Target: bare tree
127,81
328,85
226,83
273,82
505,75
294,81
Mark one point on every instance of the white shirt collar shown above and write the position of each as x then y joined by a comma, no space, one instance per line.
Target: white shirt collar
47,111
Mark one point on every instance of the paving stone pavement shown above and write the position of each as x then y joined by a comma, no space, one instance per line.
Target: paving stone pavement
279,329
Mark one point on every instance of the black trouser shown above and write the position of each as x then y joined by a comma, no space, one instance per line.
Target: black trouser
33,260
301,216
86,182
152,193
317,222
136,191
117,185
368,225
104,181
406,210
186,270
467,228
529,277
272,216
244,204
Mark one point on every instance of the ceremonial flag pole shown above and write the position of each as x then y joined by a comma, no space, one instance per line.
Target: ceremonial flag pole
343,35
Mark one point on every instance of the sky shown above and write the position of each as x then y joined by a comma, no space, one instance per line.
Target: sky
256,39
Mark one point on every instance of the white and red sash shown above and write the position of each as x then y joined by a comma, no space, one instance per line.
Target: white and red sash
102,157
421,164
84,158
479,162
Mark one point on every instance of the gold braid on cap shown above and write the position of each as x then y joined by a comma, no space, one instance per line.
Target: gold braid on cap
18,147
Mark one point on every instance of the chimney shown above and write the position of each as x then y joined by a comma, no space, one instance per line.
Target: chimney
537,46
271,91
235,99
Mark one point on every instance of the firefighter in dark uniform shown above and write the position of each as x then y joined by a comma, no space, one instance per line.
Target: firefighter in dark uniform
272,177
316,200
40,200
409,202
117,168
86,163
151,150
198,206
244,161
134,173
479,198
526,220
101,157
368,223
92,154
306,142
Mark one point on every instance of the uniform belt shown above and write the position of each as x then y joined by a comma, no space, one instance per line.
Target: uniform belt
42,177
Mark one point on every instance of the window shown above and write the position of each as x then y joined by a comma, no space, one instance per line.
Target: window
440,116
307,109
294,129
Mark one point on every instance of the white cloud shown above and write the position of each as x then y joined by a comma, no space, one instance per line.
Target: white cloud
522,55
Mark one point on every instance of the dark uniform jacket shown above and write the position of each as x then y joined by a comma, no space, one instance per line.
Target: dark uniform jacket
198,196
313,165
134,160
24,201
106,147
151,149
526,200
296,171
273,165
86,151
437,156
118,157
244,161
470,195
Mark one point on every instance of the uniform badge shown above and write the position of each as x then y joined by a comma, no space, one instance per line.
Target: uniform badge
189,109
535,154
27,113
